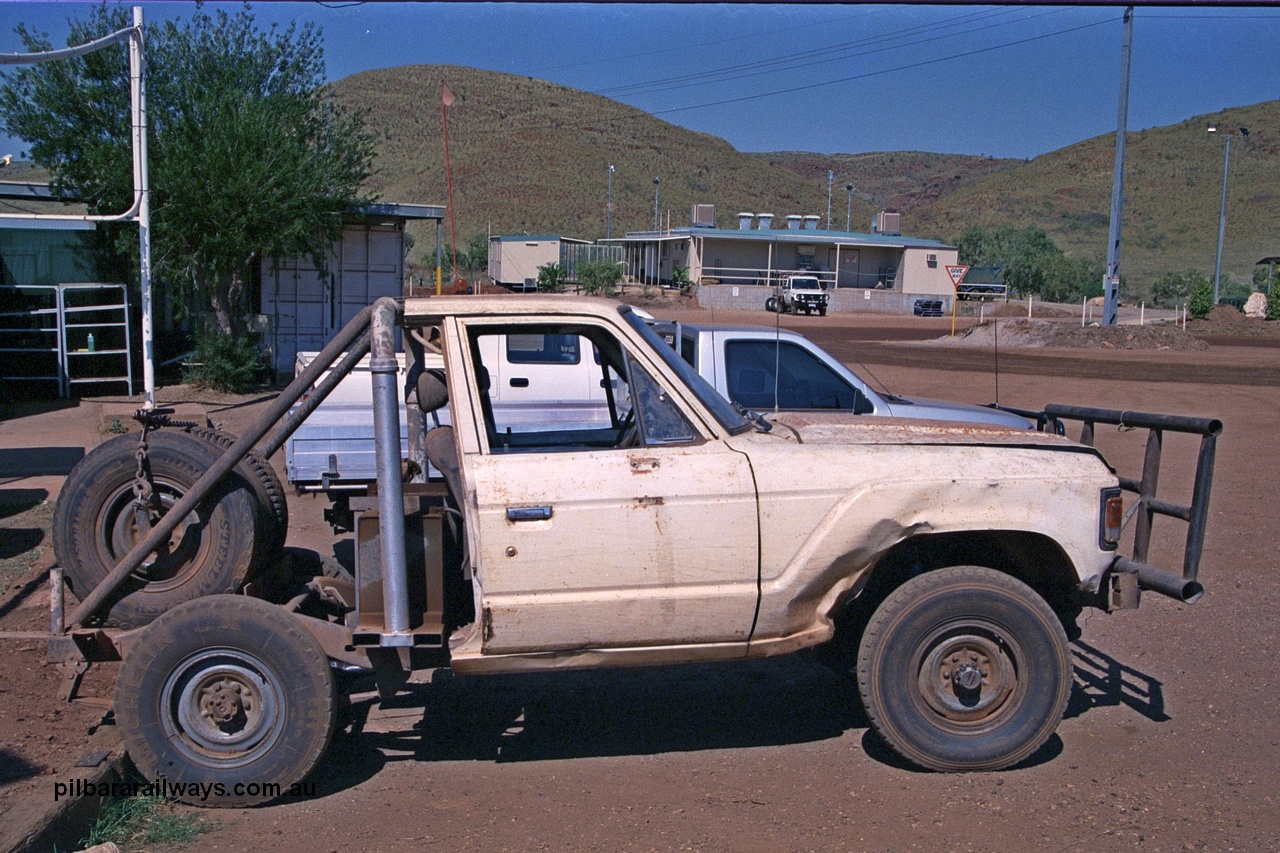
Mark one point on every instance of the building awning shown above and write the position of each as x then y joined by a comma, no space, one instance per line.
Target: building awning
401,211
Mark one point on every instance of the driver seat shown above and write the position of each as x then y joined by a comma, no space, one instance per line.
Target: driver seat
438,444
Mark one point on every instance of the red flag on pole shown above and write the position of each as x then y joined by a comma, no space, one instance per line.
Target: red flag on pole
446,97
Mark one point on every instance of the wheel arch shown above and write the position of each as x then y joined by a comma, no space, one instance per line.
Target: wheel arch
1033,558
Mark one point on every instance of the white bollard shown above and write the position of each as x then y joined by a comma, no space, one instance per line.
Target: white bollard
1142,314
1030,299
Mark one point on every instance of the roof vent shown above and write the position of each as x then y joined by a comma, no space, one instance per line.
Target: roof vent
811,222
744,221
764,221
793,221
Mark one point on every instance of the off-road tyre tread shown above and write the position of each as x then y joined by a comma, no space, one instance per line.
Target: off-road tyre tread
946,592
108,470
234,622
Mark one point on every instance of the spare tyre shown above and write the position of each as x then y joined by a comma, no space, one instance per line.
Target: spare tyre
271,522
95,524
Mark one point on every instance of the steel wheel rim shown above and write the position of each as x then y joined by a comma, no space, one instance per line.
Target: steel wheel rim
221,707
118,534
968,676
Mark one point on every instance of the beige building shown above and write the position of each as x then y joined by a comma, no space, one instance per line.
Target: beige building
757,254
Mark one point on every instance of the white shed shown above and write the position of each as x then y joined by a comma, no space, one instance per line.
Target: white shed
302,308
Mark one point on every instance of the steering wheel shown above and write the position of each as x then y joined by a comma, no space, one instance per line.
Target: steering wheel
629,430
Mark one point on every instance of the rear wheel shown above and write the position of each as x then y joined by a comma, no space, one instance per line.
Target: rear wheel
228,695
771,304
97,521
964,668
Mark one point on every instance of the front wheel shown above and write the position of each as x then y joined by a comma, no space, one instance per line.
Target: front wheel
963,669
227,698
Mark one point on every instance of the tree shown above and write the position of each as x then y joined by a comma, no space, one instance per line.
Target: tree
1201,297
1032,262
599,277
249,156
1173,289
551,278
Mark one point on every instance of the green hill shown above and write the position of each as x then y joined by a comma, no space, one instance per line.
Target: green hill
1173,187
532,156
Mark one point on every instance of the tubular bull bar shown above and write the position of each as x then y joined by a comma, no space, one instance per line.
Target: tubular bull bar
1125,570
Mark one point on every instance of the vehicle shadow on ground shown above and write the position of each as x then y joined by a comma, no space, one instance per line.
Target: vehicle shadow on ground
538,717
1103,682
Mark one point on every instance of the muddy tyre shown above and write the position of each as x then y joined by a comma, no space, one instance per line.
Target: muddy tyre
229,699
963,669
271,523
95,526
771,304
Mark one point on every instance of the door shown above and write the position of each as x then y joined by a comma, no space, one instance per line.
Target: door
639,532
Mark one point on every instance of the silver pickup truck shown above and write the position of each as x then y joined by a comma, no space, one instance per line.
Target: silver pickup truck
678,529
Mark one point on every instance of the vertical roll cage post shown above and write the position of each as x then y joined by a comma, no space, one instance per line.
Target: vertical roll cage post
1196,513
140,210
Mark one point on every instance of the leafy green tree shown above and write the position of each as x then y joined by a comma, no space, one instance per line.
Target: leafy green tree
1172,289
1200,300
551,278
1023,253
599,277
1070,279
249,157
475,256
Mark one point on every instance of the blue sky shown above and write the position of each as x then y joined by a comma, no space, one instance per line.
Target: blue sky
990,80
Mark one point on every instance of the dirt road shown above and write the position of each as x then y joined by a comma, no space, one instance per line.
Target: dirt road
1169,741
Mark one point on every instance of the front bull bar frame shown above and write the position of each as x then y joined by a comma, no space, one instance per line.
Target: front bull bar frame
1185,588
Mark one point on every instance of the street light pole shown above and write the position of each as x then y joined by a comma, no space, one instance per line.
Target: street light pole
1222,210
656,181
830,177
608,207
848,211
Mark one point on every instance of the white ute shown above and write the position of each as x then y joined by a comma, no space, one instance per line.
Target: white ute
676,529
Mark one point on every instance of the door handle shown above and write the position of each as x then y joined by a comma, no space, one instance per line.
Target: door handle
528,513
519,382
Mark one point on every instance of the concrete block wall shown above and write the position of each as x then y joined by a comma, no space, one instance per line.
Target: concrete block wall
845,300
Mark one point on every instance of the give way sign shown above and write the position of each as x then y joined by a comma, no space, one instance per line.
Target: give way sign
957,274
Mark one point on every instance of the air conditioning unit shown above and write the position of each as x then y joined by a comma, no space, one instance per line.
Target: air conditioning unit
887,222
931,258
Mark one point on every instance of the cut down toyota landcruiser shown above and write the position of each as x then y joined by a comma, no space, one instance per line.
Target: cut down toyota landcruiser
682,529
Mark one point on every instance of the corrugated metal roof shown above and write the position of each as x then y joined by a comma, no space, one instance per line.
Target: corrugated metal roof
788,235
537,238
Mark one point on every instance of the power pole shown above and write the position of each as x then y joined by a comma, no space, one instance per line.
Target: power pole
1111,284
